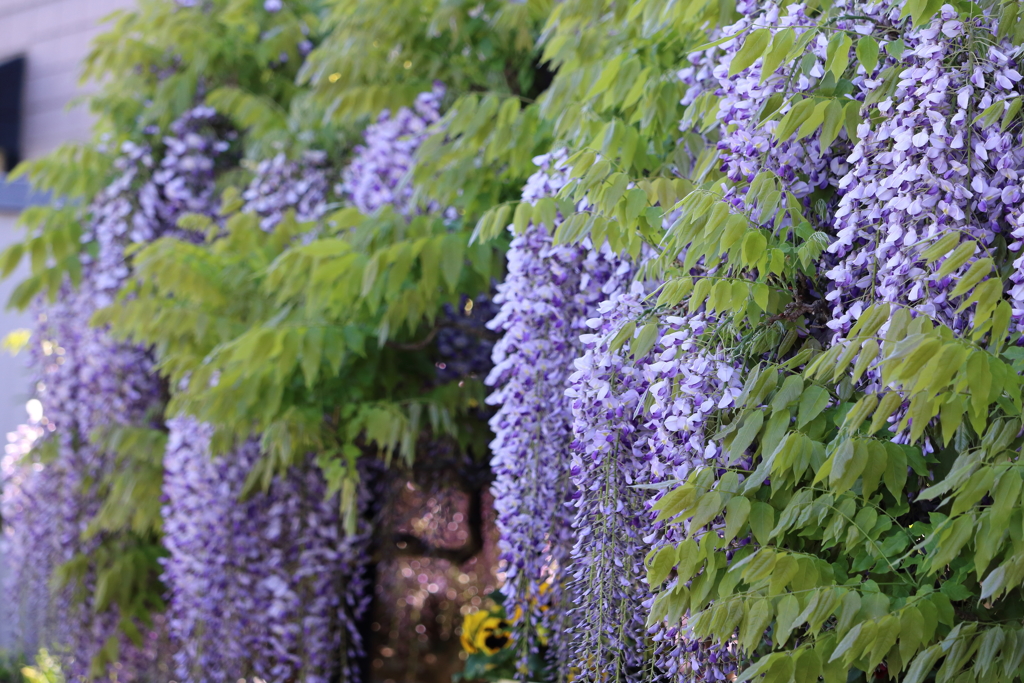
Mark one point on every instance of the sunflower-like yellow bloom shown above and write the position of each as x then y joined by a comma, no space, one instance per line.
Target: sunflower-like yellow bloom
484,632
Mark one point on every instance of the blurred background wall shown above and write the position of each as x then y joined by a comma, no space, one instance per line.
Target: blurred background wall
42,45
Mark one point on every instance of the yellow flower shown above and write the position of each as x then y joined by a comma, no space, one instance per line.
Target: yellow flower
470,625
484,632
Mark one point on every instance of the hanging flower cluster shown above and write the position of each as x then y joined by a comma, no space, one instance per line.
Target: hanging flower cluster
539,319
26,504
254,582
280,184
87,382
378,173
688,387
928,168
608,461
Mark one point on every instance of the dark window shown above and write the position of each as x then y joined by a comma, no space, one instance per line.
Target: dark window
12,78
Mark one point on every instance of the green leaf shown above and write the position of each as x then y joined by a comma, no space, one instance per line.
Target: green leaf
961,255
755,621
545,212
895,476
792,389
675,501
991,114
707,509
848,642
812,402
794,118
452,257
895,49
1011,113
687,557
889,403
850,459
788,611
815,119
838,54
754,245
993,584
658,569
941,247
833,123
874,470
782,43
737,511
923,664
911,632
951,541
644,341
521,217
867,356
762,521
867,53
748,431
978,270
753,47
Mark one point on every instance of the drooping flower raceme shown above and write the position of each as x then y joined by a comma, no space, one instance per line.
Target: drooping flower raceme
265,586
280,184
928,168
378,173
26,506
549,293
609,460
87,382
532,424
688,387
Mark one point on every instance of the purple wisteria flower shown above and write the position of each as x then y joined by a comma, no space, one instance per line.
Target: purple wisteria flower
548,294
378,174
609,459
86,381
532,424
928,168
281,184
266,586
688,386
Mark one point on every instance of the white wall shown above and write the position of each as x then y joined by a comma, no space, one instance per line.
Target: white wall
54,36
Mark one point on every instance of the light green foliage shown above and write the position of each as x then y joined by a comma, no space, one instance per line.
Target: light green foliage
616,94
380,55
155,62
317,345
841,576
46,670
